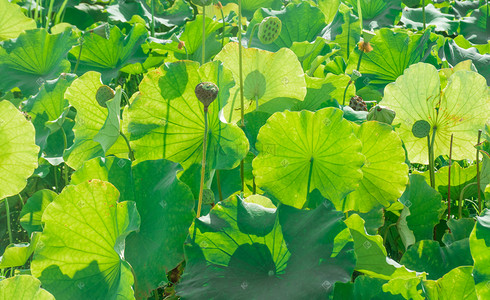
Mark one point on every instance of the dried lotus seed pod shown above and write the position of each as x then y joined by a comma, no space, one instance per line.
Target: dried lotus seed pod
206,92
104,94
269,30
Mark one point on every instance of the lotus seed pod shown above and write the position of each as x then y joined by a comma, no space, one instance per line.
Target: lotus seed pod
357,104
269,30
421,128
104,94
207,197
381,114
365,47
206,92
202,2
355,75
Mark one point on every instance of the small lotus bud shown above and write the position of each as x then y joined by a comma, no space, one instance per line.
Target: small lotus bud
181,45
365,47
103,30
421,128
219,5
202,2
355,75
367,35
269,30
104,94
206,92
381,114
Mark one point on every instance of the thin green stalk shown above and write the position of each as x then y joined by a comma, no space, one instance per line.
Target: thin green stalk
461,195
478,171
218,183
50,11
203,164
252,35
21,201
345,92
56,185
449,180
203,34
131,153
7,211
308,185
359,12
37,11
152,25
242,100
60,12
430,144
224,25
65,174
423,13
359,61
79,54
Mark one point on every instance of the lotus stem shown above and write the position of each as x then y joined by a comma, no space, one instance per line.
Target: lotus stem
423,13
203,163
308,185
7,212
79,54
152,25
50,12
203,34
60,12
252,34
430,144
131,153
345,92
478,170
449,180
359,61
218,183
461,195
242,100
220,6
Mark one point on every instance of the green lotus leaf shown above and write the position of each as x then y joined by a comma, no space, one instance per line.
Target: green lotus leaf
301,150
81,251
32,212
169,16
192,37
165,205
266,76
480,251
312,55
474,27
329,8
167,107
16,255
322,90
118,50
407,288
377,13
428,256
386,63
23,287
242,247
385,174
34,57
454,54
413,18
300,22
416,96
90,119
19,151
364,287
13,21
371,254
48,109
250,6
459,230
456,284
424,208
344,30
110,131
